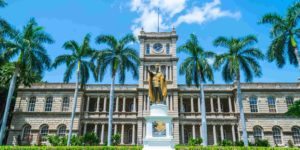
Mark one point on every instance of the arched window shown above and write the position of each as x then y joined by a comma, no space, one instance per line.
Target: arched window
277,135
289,101
65,104
147,49
26,132
61,130
253,104
272,104
257,132
48,106
168,48
296,135
44,130
31,104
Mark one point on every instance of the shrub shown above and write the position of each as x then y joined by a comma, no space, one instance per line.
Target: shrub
226,143
239,143
76,140
290,143
262,143
116,139
90,139
55,140
194,142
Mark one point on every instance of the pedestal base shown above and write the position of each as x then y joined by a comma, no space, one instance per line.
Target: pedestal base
158,129
163,143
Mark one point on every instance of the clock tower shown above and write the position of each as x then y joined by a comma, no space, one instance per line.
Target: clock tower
158,48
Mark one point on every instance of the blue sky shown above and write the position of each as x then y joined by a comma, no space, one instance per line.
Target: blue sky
72,19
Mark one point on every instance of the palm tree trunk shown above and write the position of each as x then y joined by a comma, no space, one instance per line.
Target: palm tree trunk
296,52
111,108
203,114
7,105
242,115
74,109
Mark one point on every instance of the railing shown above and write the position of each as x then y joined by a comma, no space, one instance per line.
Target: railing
91,115
209,115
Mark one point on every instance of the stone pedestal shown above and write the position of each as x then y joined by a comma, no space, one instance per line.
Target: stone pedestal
158,129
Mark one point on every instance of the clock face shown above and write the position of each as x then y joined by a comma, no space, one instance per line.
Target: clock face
157,47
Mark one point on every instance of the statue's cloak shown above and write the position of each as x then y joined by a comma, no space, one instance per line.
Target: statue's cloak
163,86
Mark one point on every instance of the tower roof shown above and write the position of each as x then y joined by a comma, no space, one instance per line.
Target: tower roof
150,35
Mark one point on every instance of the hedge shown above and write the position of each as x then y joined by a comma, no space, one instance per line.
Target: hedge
71,147
138,148
231,148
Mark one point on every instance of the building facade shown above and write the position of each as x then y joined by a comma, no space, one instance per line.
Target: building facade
45,109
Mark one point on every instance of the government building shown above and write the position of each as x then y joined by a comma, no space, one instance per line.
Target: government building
45,109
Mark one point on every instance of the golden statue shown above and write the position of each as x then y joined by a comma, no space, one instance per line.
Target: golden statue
157,85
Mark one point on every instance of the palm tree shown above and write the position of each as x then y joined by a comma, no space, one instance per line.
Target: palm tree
197,69
283,33
28,47
76,60
119,57
240,57
2,3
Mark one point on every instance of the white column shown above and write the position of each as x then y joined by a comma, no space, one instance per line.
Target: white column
168,129
222,132
122,134
200,131
134,104
181,104
133,134
87,104
84,128
219,104
167,73
194,133
182,133
102,133
215,134
96,128
117,104
116,129
104,104
199,107
192,104
229,103
239,134
212,104
149,129
233,133
98,102
171,102
124,104
167,102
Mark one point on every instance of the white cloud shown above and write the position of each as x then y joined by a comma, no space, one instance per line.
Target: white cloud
148,13
174,13
210,11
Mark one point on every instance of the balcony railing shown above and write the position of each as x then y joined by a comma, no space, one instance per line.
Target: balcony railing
92,115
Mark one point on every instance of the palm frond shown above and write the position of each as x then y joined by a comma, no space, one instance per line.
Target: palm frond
2,3
222,41
110,40
276,51
271,18
127,39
